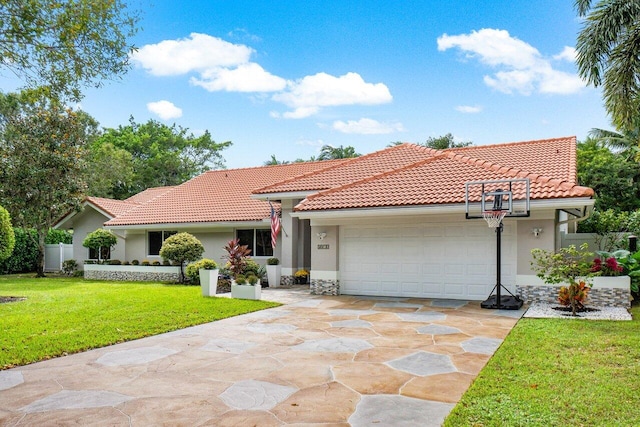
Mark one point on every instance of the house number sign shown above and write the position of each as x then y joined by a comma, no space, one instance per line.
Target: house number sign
323,246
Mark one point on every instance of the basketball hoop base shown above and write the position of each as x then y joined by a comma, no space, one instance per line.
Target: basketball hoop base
506,302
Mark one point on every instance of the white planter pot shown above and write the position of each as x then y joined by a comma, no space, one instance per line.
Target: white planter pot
246,291
273,274
209,282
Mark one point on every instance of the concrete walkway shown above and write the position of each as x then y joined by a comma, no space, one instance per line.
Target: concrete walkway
318,360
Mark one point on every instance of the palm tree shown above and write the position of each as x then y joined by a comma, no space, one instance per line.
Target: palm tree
327,152
625,142
608,54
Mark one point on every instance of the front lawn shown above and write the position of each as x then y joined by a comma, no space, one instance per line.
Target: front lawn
559,372
67,315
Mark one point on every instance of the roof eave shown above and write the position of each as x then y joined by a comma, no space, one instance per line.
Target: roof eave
287,195
440,209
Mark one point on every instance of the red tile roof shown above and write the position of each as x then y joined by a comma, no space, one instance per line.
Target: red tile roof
353,169
216,196
438,180
110,206
404,175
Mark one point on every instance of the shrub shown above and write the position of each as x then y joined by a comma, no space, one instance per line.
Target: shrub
237,256
135,262
100,240
193,270
69,267
7,236
252,279
115,262
24,258
566,266
182,247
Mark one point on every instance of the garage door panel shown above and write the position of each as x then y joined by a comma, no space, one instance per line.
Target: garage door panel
434,260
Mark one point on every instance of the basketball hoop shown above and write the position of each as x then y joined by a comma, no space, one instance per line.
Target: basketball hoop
494,218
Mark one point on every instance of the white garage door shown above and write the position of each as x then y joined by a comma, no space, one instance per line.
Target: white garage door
427,260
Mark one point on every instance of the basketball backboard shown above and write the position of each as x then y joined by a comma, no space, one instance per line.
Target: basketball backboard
508,195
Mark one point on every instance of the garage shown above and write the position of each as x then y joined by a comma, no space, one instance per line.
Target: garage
452,260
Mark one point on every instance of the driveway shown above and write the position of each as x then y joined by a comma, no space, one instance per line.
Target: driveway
318,360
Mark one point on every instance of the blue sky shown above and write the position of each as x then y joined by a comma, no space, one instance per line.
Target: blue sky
287,77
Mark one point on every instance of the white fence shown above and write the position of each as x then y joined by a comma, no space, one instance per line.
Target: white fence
55,255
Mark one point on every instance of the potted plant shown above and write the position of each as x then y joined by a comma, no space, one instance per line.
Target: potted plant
567,266
206,272
243,287
273,272
301,276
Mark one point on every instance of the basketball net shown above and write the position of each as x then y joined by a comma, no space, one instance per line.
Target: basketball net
494,218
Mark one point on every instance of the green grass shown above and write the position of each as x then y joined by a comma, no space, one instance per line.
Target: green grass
559,372
68,315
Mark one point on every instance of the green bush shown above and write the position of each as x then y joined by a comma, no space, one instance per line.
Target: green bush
7,236
25,253
55,236
192,270
69,267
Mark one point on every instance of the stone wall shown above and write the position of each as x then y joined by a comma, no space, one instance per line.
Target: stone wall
325,287
136,274
599,297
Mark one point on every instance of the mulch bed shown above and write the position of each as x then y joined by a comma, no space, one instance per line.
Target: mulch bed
11,299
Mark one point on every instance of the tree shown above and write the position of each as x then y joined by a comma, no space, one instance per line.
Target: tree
161,155
328,152
109,172
273,161
626,142
608,55
613,176
62,45
181,248
101,241
7,236
42,147
444,142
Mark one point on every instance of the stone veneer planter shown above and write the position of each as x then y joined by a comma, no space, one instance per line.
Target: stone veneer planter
134,273
605,291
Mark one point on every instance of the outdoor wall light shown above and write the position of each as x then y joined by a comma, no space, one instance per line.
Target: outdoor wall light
536,231
321,235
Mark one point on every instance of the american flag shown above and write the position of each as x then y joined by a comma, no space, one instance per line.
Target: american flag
275,226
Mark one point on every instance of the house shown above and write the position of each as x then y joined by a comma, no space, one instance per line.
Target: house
388,223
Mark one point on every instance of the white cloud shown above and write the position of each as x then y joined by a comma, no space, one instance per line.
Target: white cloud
567,54
164,109
520,67
199,52
470,109
307,95
249,77
366,126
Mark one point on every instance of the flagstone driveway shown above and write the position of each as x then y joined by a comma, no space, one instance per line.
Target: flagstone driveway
318,360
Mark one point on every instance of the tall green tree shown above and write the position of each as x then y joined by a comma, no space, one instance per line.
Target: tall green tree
160,155
626,142
42,151
61,46
608,55
613,176
328,152
444,142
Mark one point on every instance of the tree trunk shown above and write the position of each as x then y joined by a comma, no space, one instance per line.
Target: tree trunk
40,264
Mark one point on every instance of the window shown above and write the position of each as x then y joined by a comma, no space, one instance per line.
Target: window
155,240
105,253
258,240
